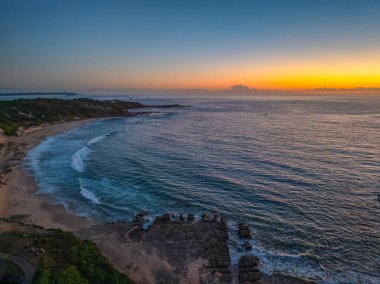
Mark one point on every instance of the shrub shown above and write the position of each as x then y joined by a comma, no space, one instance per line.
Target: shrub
71,260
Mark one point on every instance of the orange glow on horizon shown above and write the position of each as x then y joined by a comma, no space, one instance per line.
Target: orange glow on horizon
277,74
291,74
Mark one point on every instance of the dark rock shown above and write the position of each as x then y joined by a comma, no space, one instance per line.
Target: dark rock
139,218
19,217
285,279
208,218
142,214
249,270
248,261
247,245
190,217
164,218
244,231
7,171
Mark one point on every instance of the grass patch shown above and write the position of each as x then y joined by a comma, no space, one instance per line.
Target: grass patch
9,128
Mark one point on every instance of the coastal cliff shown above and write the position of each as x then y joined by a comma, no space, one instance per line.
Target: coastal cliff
17,115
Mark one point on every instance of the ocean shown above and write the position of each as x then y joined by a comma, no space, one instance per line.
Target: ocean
303,172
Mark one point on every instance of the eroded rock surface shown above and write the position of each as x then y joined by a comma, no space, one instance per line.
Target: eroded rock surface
179,250
249,270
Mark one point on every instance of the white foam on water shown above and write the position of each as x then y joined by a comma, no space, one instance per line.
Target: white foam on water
35,153
97,139
297,264
89,195
302,265
78,159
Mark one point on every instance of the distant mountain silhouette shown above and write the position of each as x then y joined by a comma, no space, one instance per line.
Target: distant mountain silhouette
240,89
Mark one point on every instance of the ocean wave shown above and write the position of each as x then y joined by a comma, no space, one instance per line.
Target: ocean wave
302,265
35,153
97,139
89,195
77,160
158,115
305,265
79,157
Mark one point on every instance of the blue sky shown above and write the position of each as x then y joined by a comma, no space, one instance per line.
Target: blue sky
184,44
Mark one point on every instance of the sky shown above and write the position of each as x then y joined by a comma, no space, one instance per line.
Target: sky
116,45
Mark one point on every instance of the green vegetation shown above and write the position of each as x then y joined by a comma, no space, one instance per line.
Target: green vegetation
66,259
9,128
31,112
70,260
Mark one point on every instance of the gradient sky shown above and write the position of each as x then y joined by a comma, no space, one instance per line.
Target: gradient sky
75,45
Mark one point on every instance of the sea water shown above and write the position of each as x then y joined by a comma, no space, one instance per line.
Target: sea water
303,172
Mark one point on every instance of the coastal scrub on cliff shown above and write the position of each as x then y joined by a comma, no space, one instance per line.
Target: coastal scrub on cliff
18,114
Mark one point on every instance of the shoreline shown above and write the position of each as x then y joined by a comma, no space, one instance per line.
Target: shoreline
18,187
18,202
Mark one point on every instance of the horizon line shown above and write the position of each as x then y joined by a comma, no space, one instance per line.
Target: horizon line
236,89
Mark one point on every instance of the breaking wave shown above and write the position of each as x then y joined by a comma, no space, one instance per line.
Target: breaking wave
89,195
77,160
79,157
97,139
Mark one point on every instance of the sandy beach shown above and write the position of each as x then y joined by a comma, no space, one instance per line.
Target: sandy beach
18,187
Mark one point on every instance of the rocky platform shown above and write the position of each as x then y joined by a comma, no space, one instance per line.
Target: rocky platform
179,249
176,249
